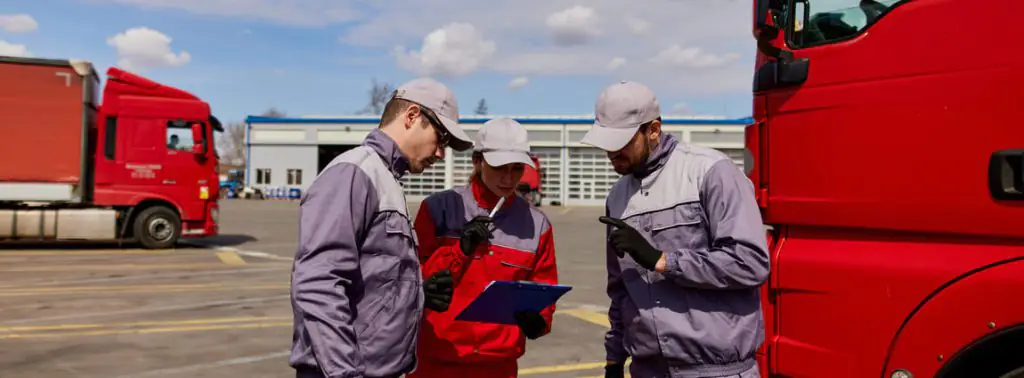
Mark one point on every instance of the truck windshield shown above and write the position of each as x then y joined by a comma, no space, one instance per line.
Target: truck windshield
819,22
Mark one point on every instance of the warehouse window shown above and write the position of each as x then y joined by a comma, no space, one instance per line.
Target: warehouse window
263,176
294,177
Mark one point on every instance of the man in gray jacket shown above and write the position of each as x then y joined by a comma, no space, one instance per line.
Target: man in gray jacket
357,295
685,301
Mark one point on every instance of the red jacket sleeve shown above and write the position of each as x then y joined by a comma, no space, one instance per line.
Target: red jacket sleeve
546,271
436,253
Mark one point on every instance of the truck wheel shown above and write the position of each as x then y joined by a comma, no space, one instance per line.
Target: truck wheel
157,227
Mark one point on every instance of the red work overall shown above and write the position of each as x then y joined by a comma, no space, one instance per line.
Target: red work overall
522,249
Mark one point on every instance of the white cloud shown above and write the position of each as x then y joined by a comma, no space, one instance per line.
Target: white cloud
718,28
681,108
18,23
573,26
616,62
454,50
142,48
518,82
691,57
537,63
10,49
289,12
714,52
637,25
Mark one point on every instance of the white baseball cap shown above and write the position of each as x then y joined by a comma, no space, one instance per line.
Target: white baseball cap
433,95
503,141
620,110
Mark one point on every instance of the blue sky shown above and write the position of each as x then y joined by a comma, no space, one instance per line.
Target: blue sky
317,57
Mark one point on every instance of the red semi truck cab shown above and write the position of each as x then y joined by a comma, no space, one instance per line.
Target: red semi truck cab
886,153
140,165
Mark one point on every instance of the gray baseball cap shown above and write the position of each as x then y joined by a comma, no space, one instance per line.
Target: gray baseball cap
620,110
435,96
503,141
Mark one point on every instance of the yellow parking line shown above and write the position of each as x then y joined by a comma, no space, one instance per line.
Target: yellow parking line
598,318
565,211
561,368
570,367
230,258
136,289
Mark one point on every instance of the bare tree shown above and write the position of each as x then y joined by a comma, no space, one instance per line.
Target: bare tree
273,112
231,143
481,107
379,95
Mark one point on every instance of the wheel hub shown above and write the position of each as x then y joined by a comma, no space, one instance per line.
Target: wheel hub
160,229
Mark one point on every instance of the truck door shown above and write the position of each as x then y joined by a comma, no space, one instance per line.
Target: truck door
185,173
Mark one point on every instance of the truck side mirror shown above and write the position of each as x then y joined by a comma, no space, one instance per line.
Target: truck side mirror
198,139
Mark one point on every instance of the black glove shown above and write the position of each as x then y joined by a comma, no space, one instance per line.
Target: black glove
475,232
615,370
627,239
437,291
531,323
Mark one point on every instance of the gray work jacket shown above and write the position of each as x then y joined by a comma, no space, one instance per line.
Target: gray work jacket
356,286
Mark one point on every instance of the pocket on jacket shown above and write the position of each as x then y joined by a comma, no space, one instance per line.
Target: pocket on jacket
377,301
397,226
513,265
681,226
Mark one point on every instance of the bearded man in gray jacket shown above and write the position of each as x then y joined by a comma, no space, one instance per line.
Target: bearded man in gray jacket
686,248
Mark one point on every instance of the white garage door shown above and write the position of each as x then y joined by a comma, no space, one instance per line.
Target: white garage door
418,186
551,177
590,176
462,167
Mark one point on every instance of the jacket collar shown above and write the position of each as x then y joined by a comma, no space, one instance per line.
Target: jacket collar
484,197
388,150
659,156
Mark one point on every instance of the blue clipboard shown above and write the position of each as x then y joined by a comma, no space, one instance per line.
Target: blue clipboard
499,302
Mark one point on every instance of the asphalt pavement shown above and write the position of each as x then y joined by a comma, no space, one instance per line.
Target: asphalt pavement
218,307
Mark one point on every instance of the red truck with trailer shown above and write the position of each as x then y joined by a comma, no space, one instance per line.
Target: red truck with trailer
140,166
887,157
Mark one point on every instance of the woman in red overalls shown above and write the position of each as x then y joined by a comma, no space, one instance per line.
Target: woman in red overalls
455,233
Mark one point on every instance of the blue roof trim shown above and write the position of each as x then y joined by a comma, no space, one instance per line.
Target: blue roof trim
480,120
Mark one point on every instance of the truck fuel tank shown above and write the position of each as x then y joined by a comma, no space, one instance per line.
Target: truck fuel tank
58,224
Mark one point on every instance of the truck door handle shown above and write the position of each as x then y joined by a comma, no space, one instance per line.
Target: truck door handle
1006,175
169,182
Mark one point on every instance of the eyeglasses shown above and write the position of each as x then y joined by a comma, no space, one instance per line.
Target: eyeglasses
443,138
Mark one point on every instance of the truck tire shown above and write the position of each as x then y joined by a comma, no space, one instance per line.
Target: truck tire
157,227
